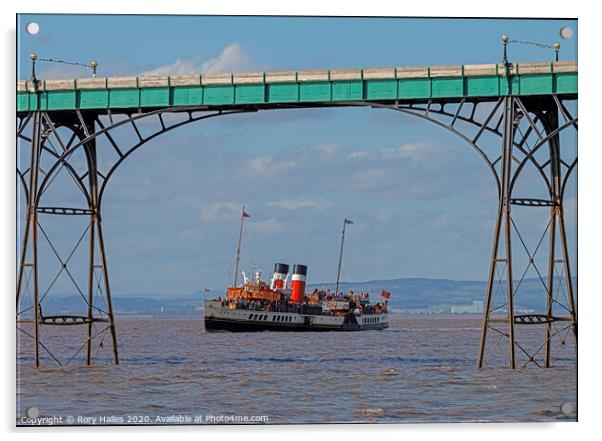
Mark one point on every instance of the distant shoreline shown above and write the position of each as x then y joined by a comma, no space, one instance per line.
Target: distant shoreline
409,296
200,317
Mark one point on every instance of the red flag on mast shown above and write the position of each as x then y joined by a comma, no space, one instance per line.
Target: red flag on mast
245,214
385,294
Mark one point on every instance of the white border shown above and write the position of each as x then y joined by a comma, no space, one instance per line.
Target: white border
589,208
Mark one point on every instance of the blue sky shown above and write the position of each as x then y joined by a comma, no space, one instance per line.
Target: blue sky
423,203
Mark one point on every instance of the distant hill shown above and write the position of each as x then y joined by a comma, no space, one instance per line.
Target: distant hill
177,305
439,295
419,295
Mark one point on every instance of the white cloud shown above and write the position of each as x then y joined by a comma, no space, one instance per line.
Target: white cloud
293,204
232,59
371,178
268,226
359,154
179,67
405,151
267,166
415,151
220,211
328,149
113,67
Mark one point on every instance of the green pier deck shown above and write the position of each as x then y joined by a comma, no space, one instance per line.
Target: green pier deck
301,88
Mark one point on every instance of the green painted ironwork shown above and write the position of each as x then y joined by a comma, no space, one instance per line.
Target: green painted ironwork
475,81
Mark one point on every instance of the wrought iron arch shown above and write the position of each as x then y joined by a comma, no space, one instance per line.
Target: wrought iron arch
87,128
91,135
414,110
425,115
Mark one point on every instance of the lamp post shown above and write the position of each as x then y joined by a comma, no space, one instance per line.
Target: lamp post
33,58
557,49
505,39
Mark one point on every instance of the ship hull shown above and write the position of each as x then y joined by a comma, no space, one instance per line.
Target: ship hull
219,318
213,325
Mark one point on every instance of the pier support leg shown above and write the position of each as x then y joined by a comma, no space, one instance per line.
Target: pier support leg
96,237
541,117
503,222
47,143
30,234
549,118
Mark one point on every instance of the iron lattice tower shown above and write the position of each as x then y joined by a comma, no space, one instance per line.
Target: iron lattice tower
33,181
523,136
541,117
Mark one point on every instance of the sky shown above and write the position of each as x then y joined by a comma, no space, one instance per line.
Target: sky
423,203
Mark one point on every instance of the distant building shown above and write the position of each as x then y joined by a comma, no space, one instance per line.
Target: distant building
475,308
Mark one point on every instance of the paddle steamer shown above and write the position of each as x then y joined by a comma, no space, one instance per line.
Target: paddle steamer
283,304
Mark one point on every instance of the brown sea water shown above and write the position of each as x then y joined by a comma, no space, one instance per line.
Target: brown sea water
421,369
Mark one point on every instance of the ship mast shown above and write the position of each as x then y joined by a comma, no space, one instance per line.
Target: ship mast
242,220
345,222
